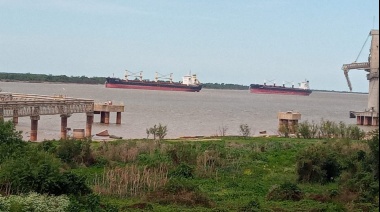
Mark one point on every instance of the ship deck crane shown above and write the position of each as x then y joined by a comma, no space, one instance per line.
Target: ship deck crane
133,74
160,76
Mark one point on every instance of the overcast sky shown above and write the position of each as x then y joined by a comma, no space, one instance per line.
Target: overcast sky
234,41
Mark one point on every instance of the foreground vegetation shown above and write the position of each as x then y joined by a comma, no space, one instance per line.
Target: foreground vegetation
311,172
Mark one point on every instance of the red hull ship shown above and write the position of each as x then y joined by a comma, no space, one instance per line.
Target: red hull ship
303,89
190,83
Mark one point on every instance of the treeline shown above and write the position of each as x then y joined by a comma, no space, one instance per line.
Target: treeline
28,77
225,86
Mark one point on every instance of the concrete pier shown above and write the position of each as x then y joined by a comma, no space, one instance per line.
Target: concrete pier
288,120
15,105
105,109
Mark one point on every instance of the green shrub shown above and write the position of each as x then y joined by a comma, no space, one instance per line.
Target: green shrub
34,202
328,129
317,163
39,171
32,171
252,206
91,203
373,144
286,191
183,192
183,171
47,146
10,140
75,152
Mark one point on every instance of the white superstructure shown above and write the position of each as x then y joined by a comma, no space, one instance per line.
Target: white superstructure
304,85
190,80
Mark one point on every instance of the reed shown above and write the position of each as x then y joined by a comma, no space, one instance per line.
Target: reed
125,152
207,163
130,180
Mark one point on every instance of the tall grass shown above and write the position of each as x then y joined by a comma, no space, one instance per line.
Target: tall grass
124,152
130,180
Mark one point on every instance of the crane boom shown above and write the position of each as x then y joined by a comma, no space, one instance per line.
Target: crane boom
347,67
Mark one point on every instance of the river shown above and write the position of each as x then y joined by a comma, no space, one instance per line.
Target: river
187,114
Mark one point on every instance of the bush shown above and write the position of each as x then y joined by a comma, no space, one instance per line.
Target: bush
183,171
373,144
37,171
329,129
286,191
245,130
34,202
252,206
159,131
75,152
10,140
33,171
182,192
317,163
89,202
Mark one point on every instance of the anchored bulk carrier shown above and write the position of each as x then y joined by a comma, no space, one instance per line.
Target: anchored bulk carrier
189,83
302,90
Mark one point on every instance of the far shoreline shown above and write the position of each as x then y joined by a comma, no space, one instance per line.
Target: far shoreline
313,90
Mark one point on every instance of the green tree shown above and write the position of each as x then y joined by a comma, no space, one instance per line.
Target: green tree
10,140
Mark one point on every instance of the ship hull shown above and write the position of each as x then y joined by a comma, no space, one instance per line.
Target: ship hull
263,89
161,86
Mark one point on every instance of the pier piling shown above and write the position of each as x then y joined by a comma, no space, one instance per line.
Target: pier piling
33,127
105,109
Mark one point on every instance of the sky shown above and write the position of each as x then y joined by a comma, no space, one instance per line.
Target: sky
224,41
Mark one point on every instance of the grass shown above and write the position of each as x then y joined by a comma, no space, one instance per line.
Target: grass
230,172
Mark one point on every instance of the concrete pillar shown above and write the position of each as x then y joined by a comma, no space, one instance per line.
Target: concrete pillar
106,117
101,117
358,120
34,127
118,117
15,117
89,120
1,114
64,125
373,76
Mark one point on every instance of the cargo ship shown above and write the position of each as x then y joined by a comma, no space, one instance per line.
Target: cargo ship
302,90
189,83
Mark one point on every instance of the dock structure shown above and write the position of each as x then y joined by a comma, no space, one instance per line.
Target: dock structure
15,105
289,120
104,109
370,115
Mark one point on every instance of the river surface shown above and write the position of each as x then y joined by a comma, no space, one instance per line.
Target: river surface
187,114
